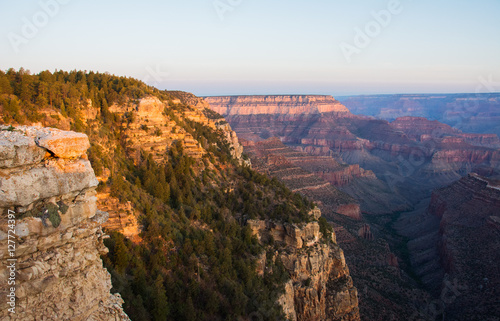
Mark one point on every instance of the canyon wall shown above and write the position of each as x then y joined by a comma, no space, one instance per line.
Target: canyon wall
285,104
48,185
475,113
320,287
453,244
422,129
289,166
469,212
409,157
150,128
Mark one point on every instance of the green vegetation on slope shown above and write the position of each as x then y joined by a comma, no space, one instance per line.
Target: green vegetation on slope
198,259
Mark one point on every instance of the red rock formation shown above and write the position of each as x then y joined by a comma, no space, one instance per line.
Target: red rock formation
346,175
365,232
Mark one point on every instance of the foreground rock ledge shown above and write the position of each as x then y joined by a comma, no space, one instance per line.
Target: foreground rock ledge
47,181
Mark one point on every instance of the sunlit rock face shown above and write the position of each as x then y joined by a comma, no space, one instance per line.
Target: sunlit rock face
47,181
284,104
320,287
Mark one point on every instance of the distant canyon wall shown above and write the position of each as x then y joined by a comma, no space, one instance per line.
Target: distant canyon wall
409,157
284,104
475,113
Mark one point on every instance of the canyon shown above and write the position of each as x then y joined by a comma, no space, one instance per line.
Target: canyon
454,242
275,159
49,184
196,233
387,168
329,293
409,157
178,241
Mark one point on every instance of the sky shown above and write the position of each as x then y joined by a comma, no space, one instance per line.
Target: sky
230,47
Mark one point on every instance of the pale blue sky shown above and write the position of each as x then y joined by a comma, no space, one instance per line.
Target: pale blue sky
261,47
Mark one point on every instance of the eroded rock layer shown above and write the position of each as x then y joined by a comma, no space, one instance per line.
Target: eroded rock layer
409,157
285,104
320,287
275,159
49,186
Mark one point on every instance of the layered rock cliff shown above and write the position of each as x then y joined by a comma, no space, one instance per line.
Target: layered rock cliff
286,105
54,267
422,129
275,159
320,287
410,157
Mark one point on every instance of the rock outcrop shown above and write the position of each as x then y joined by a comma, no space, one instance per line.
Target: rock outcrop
47,200
320,287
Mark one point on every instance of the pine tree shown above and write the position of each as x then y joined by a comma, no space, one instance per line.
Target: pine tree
161,306
121,256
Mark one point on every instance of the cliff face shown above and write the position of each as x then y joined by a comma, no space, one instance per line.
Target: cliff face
287,105
50,186
320,287
469,239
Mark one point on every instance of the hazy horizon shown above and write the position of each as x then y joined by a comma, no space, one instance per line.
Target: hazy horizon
237,47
